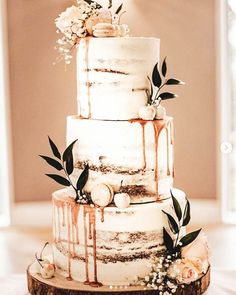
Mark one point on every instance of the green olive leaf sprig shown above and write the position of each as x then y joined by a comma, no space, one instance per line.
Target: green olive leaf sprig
180,219
158,81
65,162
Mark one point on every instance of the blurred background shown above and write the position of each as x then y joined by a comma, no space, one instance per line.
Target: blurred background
198,38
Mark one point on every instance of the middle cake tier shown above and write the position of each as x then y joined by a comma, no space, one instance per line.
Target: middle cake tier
134,156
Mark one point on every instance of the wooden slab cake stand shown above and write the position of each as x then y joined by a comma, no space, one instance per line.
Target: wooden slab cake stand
59,285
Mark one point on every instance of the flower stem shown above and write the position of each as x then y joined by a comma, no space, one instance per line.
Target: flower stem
68,177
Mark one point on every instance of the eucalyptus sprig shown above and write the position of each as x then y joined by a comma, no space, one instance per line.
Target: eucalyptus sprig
180,220
158,81
65,162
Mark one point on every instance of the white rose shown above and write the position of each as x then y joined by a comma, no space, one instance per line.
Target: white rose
189,274
71,15
183,271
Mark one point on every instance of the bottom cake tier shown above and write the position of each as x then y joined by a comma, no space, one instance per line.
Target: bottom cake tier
108,245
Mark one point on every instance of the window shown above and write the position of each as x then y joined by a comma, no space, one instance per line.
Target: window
228,108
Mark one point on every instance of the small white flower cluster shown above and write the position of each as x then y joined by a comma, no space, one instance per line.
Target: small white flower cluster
72,24
83,199
157,279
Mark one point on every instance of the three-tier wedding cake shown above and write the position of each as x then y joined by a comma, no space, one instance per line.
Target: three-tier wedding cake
119,222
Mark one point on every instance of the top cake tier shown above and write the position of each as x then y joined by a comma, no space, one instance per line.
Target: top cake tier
112,76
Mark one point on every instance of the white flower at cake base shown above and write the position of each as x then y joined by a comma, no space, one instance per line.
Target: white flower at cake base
147,112
122,200
183,271
198,253
102,194
48,270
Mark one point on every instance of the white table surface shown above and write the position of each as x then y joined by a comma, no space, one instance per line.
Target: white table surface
223,282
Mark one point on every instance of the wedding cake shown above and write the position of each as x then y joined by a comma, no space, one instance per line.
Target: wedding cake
119,222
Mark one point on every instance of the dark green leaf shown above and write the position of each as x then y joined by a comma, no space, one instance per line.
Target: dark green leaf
68,150
173,81
167,95
70,163
164,67
177,207
168,240
119,9
83,178
52,162
59,179
54,149
156,77
189,238
110,4
187,215
172,223
98,6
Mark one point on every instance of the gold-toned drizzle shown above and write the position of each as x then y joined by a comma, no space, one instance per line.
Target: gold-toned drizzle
91,211
69,241
168,149
87,73
89,217
86,246
54,221
172,143
158,126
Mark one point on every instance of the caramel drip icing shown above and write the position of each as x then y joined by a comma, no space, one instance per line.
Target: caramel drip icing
87,73
58,224
54,221
172,143
157,131
86,246
69,240
91,211
142,123
74,219
75,214
102,213
144,144
158,126
168,148
59,204
78,84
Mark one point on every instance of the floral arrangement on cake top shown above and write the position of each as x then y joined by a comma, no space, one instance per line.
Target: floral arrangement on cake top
87,19
186,258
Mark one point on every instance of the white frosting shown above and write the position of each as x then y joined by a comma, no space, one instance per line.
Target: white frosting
114,233
112,76
119,144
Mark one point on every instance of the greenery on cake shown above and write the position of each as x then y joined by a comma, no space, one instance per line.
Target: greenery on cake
158,81
185,259
87,19
65,162
180,219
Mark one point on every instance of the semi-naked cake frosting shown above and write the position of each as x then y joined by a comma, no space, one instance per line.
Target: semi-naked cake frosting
112,76
137,153
109,245
119,221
